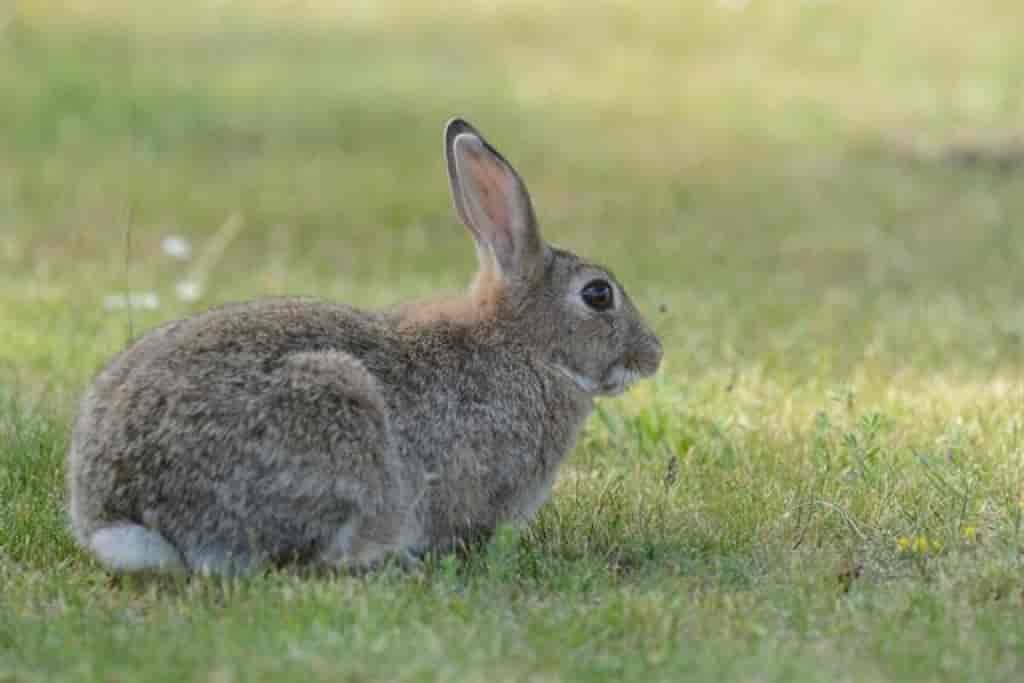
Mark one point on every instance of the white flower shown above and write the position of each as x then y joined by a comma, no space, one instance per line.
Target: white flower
189,290
177,247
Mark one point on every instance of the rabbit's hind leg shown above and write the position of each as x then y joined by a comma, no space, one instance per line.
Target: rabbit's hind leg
127,548
365,543
335,423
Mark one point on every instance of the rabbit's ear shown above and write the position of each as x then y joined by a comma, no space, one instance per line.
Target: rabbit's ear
492,200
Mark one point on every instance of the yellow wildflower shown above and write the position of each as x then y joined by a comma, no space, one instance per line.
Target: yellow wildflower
920,545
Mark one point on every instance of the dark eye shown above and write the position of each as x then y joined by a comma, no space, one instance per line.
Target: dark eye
598,295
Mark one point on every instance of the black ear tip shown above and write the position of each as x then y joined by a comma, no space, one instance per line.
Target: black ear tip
456,121
455,127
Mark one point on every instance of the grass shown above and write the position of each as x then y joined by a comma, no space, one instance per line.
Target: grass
826,481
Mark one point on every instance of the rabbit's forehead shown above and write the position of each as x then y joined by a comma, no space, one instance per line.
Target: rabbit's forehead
570,267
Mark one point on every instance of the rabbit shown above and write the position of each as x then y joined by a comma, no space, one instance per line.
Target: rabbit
299,432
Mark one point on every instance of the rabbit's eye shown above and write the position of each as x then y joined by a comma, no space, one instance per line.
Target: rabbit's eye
598,295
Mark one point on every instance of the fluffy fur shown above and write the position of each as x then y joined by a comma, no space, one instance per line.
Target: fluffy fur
301,431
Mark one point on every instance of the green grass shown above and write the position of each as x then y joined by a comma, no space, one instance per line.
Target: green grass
826,482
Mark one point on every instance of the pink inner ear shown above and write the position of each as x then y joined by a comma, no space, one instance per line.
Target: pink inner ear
493,187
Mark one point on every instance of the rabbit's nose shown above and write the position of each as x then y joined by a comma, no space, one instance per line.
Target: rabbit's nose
646,357
656,354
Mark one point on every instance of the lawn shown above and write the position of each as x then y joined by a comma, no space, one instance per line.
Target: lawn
817,205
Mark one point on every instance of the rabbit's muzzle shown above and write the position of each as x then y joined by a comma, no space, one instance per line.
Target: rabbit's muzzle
641,361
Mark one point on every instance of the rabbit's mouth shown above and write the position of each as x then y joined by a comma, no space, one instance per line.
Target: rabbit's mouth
618,380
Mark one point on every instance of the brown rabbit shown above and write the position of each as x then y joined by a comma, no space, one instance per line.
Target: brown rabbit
301,431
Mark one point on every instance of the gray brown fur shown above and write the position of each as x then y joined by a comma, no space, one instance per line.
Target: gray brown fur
301,431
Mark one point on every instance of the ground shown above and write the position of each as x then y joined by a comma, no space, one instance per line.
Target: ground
817,205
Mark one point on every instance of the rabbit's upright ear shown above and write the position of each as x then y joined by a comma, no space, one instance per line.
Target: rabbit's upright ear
492,200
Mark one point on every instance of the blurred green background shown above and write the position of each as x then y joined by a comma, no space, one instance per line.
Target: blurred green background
811,186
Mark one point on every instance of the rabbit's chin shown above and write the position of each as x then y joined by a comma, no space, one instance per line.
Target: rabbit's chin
618,380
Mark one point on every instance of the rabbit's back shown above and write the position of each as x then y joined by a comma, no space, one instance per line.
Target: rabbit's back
214,366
